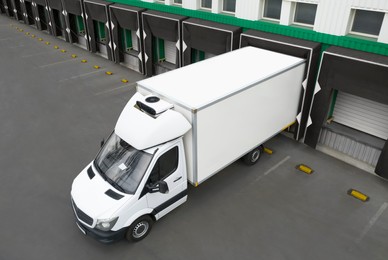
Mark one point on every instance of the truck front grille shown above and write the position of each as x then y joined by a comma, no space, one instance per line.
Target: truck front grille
82,215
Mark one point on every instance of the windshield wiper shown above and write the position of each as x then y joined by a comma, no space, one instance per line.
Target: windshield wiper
114,184
100,172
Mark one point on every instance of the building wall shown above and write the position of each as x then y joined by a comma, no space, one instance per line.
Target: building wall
333,17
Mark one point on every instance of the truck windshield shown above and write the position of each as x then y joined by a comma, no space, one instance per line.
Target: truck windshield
122,165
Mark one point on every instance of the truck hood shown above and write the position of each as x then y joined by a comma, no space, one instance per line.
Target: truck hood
89,194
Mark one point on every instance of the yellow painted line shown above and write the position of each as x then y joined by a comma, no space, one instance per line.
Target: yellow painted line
304,168
96,67
84,61
124,80
267,150
358,195
287,126
109,73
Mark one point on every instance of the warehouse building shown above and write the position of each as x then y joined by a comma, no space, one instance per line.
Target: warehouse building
344,101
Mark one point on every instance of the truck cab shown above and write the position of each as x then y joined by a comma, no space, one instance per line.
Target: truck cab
138,176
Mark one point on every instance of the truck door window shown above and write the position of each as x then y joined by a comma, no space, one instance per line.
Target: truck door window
165,166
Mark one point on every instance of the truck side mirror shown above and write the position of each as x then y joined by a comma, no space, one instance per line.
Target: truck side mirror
160,186
163,187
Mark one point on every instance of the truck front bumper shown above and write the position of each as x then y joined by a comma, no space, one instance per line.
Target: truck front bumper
105,237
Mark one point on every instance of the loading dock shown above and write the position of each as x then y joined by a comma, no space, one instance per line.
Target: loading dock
98,24
76,23
17,10
29,15
127,36
356,74
162,41
57,18
42,17
2,8
295,47
204,39
6,7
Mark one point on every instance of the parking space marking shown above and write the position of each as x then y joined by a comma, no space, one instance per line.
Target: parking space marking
55,63
114,89
80,76
272,169
372,221
36,54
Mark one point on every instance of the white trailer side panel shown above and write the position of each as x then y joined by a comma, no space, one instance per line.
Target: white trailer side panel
230,128
234,102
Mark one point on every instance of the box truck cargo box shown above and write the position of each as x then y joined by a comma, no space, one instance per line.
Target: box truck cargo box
234,102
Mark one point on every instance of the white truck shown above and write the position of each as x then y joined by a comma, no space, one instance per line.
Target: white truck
184,126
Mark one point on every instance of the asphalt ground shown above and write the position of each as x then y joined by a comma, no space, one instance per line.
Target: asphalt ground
54,111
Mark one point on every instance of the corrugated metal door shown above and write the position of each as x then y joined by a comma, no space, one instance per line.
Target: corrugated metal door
170,51
361,114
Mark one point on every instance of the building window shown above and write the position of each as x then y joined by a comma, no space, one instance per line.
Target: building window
206,4
229,6
305,14
178,2
367,22
272,9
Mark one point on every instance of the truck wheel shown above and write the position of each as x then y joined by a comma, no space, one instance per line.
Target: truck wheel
253,156
139,228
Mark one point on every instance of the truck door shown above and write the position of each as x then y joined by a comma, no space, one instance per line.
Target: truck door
166,169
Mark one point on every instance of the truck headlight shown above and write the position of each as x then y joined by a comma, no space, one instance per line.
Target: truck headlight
106,224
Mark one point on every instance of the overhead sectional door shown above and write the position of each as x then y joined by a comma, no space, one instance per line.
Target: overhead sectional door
170,51
362,114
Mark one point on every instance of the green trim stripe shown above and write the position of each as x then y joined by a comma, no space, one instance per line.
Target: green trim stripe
301,33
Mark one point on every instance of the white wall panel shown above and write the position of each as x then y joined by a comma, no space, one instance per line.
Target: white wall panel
249,9
286,13
191,4
333,16
383,37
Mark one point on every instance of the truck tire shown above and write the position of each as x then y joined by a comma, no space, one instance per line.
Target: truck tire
139,228
253,156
